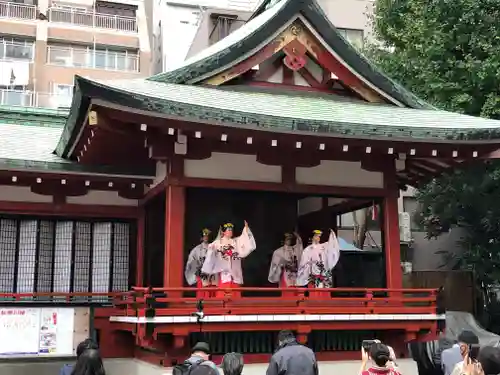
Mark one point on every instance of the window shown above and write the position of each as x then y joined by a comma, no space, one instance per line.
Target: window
16,49
46,255
353,36
113,9
62,95
411,205
81,57
15,96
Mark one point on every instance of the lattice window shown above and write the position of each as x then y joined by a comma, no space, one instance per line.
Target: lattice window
83,249
45,256
121,251
101,257
28,231
8,245
62,256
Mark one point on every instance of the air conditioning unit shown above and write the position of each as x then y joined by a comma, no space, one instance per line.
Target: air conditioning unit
405,227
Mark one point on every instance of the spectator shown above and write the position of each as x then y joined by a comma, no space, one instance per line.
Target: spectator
291,358
198,362
381,356
232,364
89,363
465,339
84,345
489,360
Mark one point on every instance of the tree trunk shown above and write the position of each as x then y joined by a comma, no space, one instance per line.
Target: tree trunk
360,219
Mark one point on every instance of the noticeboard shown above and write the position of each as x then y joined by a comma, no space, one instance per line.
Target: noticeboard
33,332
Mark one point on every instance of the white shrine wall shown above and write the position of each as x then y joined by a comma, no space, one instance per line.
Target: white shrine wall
22,194
101,197
236,167
312,204
246,168
94,197
277,76
339,173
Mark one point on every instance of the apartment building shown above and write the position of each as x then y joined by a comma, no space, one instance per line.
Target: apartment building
44,43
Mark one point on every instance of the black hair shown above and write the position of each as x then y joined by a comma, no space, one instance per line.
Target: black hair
89,363
468,337
489,358
85,345
285,335
232,364
380,354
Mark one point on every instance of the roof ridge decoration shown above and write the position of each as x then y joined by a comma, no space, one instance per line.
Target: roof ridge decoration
268,29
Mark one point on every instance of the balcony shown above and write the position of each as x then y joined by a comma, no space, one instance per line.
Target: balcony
92,19
28,98
16,50
93,59
17,11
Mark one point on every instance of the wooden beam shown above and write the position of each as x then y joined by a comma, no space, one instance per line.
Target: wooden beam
266,71
68,210
329,62
288,76
338,191
259,57
392,241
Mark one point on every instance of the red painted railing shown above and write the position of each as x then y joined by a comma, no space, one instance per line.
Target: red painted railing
252,301
64,298
174,302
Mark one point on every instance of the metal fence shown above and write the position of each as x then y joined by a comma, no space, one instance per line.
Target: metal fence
92,19
16,10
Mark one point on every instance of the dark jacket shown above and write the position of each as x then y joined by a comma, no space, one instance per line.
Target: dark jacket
291,358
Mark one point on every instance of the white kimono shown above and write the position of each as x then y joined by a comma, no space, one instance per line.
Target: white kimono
195,263
317,263
286,261
224,256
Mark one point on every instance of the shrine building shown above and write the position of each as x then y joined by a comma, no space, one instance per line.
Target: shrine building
283,124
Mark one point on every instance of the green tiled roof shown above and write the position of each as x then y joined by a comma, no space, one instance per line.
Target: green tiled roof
175,94
266,26
306,113
33,116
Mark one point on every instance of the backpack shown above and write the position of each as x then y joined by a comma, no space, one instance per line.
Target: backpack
186,367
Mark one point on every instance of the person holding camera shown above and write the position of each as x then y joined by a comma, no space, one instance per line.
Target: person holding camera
465,340
381,358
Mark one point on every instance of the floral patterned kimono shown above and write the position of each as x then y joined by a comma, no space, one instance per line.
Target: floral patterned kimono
194,274
224,259
285,265
317,263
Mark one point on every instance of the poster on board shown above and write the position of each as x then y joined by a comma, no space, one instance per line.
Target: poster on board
19,331
36,332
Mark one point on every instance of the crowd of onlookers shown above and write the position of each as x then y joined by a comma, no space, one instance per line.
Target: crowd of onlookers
466,357
291,358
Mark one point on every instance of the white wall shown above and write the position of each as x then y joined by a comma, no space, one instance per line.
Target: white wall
22,194
232,167
94,197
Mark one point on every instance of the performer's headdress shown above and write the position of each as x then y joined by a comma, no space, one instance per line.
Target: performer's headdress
317,232
227,226
206,232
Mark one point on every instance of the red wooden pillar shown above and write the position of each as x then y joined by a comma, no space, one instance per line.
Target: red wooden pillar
174,238
141,228
392,244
